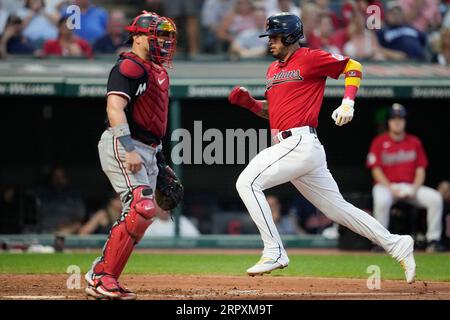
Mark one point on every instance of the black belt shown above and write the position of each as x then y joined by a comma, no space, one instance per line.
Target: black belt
288,133
144,136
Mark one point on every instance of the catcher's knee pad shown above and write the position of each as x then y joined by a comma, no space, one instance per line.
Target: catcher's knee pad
125,234
142,211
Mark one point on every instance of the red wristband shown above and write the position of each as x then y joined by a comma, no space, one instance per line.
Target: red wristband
256,106
350,92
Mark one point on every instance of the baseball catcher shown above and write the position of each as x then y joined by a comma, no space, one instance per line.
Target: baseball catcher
137,107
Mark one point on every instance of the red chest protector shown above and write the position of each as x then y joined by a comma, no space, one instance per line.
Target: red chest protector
148,109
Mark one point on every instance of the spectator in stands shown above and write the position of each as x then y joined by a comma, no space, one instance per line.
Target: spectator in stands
93,20
164,226
67,44
284,224
326,38
324,8
399,36
442,56
363,43
213,13
61,210
239,19
113,41
309,219
398,163
310,19
186,13
423,15
248,44
103,219
39,23
13,41
350,7
276,6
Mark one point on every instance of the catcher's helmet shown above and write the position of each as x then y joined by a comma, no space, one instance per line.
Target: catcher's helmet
288,25
161,32
141,23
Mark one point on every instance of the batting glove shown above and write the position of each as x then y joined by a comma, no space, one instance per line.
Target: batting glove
343,114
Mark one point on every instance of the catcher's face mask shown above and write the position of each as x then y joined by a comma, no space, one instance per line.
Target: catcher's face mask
162,41
161,33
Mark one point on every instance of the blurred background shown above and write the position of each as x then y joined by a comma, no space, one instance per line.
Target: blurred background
53,82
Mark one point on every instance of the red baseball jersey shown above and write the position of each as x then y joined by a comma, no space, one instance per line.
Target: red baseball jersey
295,88
398,159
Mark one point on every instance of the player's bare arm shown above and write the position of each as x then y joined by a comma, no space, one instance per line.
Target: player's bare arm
419,179
241,96
379,177
264,112
353,73
116,115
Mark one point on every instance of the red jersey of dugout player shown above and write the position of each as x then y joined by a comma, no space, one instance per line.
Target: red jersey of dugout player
130,148
303,74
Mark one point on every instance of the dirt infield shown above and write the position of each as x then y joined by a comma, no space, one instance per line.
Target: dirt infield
226,287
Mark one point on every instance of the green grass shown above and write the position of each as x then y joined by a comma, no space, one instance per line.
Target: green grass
432,267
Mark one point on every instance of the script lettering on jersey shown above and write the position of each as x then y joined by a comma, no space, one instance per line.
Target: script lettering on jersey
284,76
398,157
141,89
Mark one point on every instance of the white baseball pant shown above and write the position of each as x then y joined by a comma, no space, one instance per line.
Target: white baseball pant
301,160
425,197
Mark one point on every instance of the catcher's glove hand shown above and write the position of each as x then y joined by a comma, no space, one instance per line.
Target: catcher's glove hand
169,190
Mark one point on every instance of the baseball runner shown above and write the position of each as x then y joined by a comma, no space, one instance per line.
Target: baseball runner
398,163
295,86
130,147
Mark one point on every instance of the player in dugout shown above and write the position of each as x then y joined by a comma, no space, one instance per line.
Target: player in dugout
398,163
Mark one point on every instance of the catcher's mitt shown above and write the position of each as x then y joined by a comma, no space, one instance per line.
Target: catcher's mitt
169,190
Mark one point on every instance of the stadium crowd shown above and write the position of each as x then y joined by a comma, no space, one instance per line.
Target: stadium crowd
365,29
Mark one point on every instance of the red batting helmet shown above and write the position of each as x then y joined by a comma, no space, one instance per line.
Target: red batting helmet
161,32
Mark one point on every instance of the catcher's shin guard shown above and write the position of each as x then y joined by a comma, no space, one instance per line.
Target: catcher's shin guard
127,233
